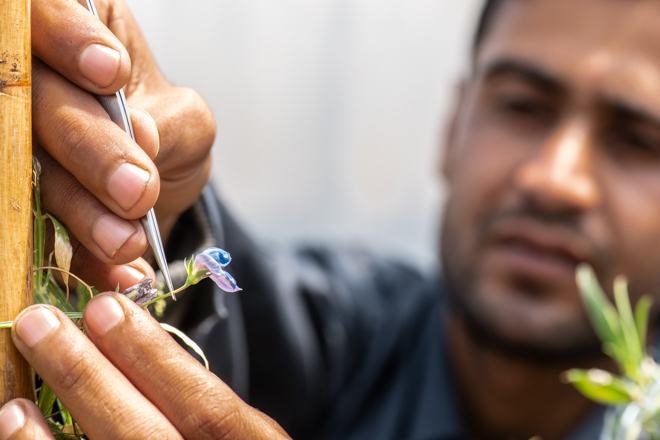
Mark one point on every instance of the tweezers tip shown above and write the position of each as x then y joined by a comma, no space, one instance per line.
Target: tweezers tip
169,286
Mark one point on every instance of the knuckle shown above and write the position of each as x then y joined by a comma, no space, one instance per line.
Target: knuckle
73,139
151,431
70,375
203,124
72,196
136,360
218,421
64,196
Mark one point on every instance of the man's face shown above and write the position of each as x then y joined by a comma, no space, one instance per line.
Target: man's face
554,159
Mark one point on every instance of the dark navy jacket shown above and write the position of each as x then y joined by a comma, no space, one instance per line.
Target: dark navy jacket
333,344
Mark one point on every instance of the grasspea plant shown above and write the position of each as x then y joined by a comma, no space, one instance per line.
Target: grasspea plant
209,264
634,395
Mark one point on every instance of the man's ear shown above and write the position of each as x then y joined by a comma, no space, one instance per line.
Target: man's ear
452,129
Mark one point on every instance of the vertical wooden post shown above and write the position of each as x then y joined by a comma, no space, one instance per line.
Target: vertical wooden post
16,379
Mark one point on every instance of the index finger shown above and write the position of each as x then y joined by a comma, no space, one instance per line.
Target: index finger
101,400
196,401
76,44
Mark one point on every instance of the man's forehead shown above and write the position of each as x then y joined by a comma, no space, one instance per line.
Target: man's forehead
610,44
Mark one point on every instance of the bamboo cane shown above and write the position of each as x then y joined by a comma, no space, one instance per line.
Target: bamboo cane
16,378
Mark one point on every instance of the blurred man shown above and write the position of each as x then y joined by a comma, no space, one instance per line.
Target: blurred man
552,158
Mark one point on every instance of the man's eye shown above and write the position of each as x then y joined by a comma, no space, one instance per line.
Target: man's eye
631,140
523,107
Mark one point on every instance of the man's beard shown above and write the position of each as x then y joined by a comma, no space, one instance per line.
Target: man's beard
567,342
559,341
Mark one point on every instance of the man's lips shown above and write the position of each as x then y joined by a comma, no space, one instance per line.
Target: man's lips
534,250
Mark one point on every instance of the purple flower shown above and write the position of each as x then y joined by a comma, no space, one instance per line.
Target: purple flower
209,264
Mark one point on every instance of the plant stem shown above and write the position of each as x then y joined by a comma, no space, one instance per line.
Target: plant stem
73,315
77,315
70,274
167,295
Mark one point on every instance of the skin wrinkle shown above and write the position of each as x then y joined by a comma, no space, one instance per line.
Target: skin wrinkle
82,366
73,376
46,15
68,133
68,192
209,425
191,387
65,192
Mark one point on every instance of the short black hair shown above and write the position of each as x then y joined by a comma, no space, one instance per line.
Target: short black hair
485,21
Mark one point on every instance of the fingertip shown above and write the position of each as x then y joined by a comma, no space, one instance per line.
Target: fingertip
104,61
12,418
134,192
102,313
100,65
69,39
129,275
146,132
110,232
126,252
21,418
34,324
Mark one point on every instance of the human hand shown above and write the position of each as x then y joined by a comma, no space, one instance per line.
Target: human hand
129,379
95,179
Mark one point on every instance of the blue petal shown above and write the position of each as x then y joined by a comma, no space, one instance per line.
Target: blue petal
220,255
206,262
226,282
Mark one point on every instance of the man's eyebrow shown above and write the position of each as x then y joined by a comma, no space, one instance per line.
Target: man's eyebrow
626,109
531,73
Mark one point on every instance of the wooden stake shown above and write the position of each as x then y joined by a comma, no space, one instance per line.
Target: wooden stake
16,378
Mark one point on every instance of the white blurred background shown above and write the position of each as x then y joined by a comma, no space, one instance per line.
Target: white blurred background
330,113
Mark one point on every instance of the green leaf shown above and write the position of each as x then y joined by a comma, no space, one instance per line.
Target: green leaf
56,430
614,351
84,294
601,312
64,413
642,310
634,352
74,315
39,226
63,249
601,386
56,297
189,265
36,193
46,400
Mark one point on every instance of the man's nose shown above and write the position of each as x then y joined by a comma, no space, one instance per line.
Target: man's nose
560,177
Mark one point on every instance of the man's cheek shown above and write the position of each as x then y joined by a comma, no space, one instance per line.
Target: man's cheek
629,235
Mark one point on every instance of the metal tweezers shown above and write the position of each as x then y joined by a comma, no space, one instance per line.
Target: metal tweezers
116,107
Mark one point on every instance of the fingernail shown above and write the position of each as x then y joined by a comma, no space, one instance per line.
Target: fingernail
125,276
127,185
35,325
102,314
111,232
99,64
12,417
